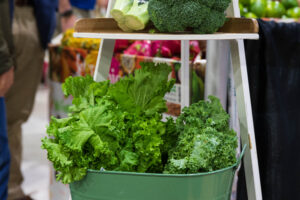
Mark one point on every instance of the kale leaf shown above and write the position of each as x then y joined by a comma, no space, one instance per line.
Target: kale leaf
205,142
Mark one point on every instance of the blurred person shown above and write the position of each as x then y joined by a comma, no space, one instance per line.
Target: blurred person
101,6
70,10
4,151
102,3
33,25
6,80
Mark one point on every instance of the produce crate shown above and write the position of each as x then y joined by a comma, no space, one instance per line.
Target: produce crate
108,185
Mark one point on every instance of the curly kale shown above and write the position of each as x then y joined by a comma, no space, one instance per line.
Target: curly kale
205,142
201,16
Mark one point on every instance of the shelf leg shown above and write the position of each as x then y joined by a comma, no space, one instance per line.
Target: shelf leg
246,121
185,74
218,61
110,5
105,54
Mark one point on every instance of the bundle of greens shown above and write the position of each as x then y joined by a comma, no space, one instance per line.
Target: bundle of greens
205,142
119,127
116,127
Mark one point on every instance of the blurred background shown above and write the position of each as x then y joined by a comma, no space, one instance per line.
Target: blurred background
68,56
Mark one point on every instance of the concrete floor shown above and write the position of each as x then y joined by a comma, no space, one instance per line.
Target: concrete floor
35,166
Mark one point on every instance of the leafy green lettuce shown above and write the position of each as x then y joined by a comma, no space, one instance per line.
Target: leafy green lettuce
205,142
119,127
115,127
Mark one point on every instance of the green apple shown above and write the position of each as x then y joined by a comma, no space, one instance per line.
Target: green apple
245,2
263,1
275,9
293,13
258,7
250,15
241,9
289,3
245,10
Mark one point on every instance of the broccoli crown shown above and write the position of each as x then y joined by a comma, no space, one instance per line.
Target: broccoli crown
201,16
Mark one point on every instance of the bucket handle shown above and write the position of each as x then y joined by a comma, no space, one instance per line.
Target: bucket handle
241,156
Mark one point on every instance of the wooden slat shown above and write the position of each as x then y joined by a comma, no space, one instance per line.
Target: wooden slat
240,25
244,108
109,25
161,36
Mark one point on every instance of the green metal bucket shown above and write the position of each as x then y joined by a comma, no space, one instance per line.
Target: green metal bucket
108,185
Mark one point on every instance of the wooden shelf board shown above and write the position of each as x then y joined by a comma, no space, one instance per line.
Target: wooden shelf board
107,28
147,36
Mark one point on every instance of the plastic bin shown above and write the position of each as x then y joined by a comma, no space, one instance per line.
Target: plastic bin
108,185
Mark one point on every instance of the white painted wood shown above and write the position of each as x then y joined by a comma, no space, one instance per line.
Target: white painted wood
246,120
147,36
234,9
245,112
218,61
110,5
185,74
105,52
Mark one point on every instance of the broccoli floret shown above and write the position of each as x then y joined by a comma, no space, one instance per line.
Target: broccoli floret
200,16
212,23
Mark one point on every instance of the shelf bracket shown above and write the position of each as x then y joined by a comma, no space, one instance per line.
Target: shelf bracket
105,53
185,74
246,121
239,65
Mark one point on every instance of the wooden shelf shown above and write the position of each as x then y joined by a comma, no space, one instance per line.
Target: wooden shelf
107,28
145,36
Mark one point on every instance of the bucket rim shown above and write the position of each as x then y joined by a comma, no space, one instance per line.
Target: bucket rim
160,174
232,167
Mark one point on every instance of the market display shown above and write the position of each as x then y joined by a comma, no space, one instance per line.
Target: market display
161,49
199,16
69,40
122,126
270,9
73,57
119,127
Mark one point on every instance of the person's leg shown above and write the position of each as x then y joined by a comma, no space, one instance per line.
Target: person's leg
4,152
20,98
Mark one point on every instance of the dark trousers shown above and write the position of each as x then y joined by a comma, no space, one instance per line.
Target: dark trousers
4,152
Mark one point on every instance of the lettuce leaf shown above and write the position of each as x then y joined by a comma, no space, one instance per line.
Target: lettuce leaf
115,127
145,91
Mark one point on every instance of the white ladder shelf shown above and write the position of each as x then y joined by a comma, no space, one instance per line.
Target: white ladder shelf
237,52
